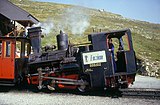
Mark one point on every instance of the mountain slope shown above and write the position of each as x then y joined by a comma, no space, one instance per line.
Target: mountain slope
145,35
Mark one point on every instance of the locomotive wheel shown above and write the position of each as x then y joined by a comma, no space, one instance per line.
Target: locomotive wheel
51,86
82,88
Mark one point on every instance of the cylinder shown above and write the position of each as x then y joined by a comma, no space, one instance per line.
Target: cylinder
62,41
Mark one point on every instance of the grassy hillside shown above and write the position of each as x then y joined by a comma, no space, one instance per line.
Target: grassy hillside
146,36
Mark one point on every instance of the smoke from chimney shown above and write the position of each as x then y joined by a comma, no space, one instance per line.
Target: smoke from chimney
75,19
46,26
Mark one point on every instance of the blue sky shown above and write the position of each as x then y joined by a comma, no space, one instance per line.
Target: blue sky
145,10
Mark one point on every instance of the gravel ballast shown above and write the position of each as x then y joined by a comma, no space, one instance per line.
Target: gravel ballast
20,98
25,97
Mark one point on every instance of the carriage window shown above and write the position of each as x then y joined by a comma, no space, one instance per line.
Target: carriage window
18,49
8,49
124,42
0,48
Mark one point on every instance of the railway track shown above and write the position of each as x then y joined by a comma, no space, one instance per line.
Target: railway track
141,93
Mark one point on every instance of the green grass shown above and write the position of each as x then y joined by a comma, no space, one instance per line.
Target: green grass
145,35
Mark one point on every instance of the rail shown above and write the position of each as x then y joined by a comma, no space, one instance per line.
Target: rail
141,92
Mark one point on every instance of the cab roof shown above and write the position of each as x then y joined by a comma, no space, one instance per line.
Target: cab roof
114,33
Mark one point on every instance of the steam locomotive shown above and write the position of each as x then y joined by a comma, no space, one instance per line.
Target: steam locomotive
69,66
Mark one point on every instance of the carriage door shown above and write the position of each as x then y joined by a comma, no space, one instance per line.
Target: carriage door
7,60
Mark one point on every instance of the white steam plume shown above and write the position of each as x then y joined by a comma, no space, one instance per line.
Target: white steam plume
76,20
46,26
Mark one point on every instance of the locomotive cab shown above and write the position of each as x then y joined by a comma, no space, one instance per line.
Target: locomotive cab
14,53
110,68
123,59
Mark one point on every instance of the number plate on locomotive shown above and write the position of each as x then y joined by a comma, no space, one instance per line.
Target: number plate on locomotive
94,57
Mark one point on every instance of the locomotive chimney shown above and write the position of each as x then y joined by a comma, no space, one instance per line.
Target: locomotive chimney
35,37
62,41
